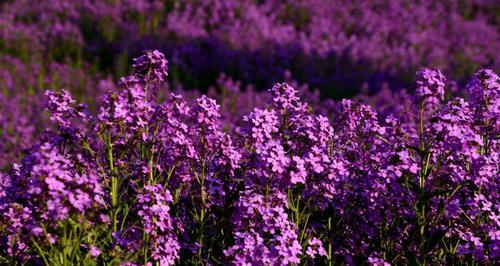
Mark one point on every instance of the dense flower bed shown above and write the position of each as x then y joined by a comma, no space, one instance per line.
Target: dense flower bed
151,178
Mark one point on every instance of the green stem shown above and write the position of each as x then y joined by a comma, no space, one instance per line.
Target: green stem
329,258
114,183
266,194
422,143
421,210
202,212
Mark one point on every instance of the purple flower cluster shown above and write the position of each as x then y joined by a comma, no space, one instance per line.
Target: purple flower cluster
158,224
152,66
168,179
49,187
430,86
263,232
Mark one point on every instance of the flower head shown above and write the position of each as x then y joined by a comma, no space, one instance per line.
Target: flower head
430,86
152,66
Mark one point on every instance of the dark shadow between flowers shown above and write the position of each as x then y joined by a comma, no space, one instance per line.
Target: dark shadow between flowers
197,63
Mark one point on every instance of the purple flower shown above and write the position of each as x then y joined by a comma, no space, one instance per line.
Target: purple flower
263,123
315,248
285,99
430,86
157,222
151,66
263,232
63,109
377,261
94,251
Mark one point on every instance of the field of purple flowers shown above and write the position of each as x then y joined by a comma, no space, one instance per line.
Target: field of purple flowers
222,132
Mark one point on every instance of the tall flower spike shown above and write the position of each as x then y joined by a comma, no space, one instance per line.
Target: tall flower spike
63,107
484,94
285,99
486,84
152,66
157,222
262,124
430,86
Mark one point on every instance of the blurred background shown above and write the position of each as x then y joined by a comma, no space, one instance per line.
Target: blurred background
335,48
